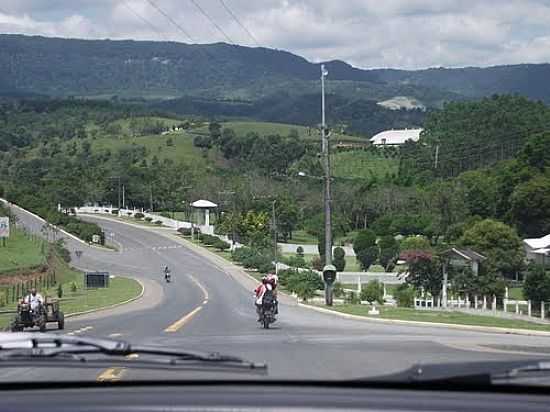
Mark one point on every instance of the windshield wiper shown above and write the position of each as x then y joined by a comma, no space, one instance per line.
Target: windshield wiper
41,350
489,373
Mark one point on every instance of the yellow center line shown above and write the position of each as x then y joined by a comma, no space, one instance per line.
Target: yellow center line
174,327
111,375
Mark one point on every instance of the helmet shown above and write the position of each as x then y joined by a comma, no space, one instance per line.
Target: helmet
33,291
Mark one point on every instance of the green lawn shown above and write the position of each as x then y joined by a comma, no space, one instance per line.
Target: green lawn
362,164
516,293
266,128
20,252
440,317
301,237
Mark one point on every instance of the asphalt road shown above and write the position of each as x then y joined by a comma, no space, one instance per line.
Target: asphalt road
209,307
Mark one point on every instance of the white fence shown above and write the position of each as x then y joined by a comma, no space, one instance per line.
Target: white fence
166,221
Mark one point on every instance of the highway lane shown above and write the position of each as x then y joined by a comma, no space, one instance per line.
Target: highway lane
303,344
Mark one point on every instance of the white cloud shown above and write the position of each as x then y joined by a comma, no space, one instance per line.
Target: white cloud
366,33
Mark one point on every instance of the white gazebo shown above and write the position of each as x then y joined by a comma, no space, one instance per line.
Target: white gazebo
205,206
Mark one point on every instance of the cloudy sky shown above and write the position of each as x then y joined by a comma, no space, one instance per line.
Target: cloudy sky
366,33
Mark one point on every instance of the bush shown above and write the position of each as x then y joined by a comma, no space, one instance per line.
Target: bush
242,253
139,215
296,262
208,240
373,292
338,290
221,245
317,263
60,291
184,231
304,284
339,259
114,211
367,257
300,251
149,219
352,298
74,287
158,222
404,295
166,215
364,240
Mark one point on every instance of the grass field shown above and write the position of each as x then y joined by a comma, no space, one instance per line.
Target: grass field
362,164
181,151
20,252
516,293
266,128
301,237
440,317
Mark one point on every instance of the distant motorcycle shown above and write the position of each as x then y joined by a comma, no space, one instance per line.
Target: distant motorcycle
167,275
268,309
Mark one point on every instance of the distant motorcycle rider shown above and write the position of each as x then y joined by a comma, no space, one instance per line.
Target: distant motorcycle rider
273,280
166,273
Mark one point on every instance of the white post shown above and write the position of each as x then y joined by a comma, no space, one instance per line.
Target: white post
385,291
475,301
505,304
529,308
506,293
494,303
517,308
359,284
207,217
542,310
484,302
468,301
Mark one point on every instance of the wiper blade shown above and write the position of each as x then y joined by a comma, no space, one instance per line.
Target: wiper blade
71,348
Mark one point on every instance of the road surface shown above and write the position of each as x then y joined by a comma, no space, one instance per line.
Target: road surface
209,307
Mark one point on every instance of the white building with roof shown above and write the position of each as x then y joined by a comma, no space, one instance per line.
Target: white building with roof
538,249
395,137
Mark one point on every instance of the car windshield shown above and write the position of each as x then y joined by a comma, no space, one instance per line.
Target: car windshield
287,190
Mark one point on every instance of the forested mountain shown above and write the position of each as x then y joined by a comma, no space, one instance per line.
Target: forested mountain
69,67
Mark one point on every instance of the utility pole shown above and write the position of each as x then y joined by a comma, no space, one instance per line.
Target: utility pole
436,156
327,196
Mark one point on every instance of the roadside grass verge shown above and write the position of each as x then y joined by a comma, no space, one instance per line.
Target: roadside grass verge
78,299
363,164
455,318
20,252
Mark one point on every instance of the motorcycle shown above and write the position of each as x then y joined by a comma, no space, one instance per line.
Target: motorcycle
267,310
167,277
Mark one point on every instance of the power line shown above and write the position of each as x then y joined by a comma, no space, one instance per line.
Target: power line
175,23
143,19
226,7
212,21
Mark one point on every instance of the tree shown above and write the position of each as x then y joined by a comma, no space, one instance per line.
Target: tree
373,292
364,239
530,206
365,248
214,129
367,257
404,295
339,259
499,243
415,243
537,284
389,249
426,272
480,192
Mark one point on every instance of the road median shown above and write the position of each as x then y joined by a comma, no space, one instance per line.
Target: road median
477,322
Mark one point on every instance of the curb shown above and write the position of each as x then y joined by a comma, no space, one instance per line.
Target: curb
474,328
114,305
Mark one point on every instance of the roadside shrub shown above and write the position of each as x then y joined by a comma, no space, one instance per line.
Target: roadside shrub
339,259
139,215
317,263
114,211
242,253
208,240
60,291
352,298
300,251
74,287
149,219
165,214
158,222
338,290
184,231
129,213
295,262
404,295
221,245
373,292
